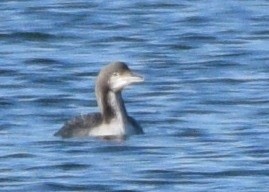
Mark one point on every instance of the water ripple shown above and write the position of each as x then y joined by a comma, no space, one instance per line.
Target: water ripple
203,105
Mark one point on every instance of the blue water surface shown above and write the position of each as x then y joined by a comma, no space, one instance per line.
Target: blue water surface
204,105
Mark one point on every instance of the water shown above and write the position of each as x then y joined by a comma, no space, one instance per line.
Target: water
204,105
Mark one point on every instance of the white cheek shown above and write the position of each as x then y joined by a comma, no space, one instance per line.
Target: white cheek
117,84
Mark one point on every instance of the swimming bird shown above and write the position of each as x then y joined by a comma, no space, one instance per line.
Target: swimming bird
113,120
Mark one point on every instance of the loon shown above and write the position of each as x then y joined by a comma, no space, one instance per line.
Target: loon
113,121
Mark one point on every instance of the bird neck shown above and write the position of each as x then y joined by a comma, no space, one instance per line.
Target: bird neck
112,106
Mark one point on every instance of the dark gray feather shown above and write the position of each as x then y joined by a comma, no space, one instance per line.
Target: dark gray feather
134,123
80,126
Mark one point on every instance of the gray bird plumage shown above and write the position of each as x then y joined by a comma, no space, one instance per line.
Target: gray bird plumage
113,119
